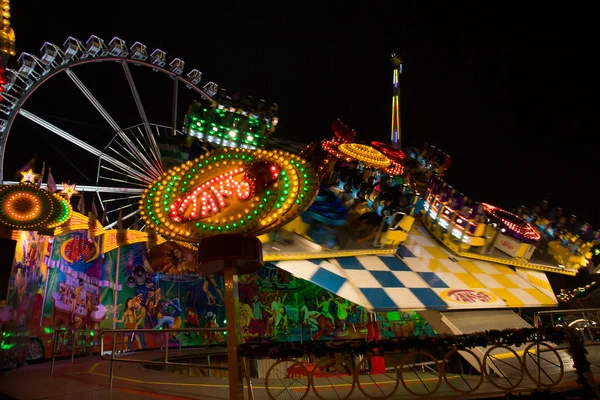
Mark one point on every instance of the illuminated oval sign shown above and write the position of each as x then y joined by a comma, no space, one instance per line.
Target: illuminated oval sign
468,296
229,191
27,207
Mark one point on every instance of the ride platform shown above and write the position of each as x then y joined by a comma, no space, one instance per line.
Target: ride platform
301,248
538,261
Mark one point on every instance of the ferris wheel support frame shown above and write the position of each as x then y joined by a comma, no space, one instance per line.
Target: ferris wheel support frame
28,79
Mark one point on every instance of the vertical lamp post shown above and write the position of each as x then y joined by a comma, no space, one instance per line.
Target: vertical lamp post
223,201
230,256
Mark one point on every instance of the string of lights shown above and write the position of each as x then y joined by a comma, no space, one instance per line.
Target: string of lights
511,222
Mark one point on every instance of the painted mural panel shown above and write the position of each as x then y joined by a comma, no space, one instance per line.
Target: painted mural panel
78,282
276,306
162,290
67,282
24,300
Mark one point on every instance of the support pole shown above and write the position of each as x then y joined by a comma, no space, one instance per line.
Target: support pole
236,386
174,112
48,270
116,289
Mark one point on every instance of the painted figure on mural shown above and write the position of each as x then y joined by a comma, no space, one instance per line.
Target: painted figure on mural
154,296
209,337
192,321
79,302
30,254
20,283
140,318
129,319
250,327
170,317
342,306
257,308
177,264
324,306
211,281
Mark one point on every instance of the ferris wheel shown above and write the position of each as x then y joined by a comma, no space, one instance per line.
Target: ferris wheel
125,158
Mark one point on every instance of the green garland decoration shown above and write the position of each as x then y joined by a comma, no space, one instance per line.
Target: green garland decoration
509,337
579,353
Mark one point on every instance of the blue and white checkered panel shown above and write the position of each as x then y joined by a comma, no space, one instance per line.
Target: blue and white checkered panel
389,284
326,275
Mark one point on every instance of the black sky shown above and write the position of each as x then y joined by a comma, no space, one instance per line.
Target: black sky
507,91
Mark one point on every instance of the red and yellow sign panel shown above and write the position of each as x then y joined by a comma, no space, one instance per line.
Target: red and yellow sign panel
229,191
468,296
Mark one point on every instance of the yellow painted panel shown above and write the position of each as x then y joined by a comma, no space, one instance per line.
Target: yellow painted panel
539,296
510,299
505,281
436,266
437,252
541,283
503,269
469,280
470,267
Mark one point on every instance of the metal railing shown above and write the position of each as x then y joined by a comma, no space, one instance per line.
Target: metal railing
61,343
418,374
589,318
115,333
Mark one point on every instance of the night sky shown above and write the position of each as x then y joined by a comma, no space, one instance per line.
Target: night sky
505,91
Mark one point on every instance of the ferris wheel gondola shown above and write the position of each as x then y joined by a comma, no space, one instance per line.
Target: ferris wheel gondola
132,158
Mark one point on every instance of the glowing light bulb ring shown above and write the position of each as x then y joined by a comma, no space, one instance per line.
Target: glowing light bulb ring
62,212
394,169
229,191
25,206
365,154
390,152
512,223
332,149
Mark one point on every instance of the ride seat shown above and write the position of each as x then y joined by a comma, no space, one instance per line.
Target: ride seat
297,226
396,236
478,239
264,238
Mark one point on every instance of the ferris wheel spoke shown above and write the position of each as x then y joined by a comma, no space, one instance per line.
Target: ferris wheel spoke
131,171
121,181
54,129
118,154
156,168
122,198
109,119
78,142
138,102
155,157
125,217
120,173
97,189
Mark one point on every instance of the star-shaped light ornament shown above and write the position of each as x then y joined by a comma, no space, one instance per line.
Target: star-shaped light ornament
29,176
69,190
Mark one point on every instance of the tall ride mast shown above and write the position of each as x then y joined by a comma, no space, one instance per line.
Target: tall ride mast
396,127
